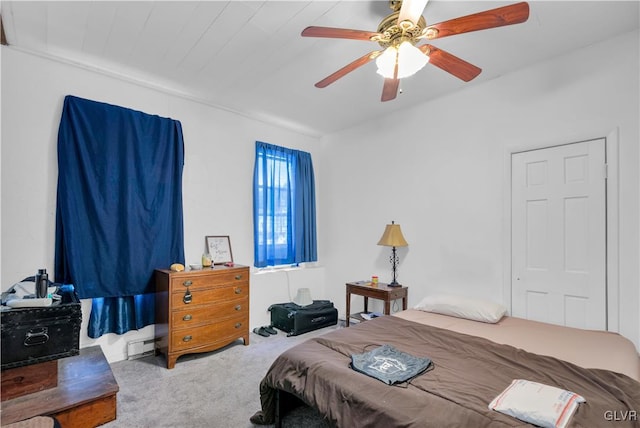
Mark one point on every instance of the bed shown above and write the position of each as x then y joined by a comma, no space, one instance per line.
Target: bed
473,363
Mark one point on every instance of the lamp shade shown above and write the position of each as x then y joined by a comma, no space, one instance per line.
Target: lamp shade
387,62
410,60
392,236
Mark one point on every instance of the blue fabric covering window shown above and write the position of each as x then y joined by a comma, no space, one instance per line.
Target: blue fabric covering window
119,209
284,207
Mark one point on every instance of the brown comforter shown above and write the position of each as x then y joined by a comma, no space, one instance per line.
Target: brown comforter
469,372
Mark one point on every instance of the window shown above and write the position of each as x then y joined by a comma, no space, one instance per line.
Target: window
283,206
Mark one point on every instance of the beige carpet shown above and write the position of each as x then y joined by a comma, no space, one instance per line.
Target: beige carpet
215,389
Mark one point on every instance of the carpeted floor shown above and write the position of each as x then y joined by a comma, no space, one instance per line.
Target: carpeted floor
215,389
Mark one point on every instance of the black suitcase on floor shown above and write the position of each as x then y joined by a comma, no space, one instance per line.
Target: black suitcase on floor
294,319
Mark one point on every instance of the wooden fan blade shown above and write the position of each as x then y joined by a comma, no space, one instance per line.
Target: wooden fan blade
347,69
411,10
506,15
3,37
338,33
451,63
390,88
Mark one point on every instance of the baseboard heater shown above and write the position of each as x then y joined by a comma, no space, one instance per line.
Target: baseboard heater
140,348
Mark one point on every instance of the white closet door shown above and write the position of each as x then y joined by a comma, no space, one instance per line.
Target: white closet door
559,235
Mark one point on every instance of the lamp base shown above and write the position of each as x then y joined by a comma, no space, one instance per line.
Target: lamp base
394,284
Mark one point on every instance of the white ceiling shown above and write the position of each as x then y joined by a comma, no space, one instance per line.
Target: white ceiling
249,57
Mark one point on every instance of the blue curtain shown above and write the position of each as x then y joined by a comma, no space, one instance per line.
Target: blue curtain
119,209
304,209
284,206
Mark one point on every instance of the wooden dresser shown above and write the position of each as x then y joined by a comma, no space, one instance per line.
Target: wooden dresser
201,310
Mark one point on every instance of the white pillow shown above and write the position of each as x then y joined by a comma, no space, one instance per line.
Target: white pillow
463,307
536,403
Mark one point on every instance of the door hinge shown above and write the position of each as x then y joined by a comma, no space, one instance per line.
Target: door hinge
605,171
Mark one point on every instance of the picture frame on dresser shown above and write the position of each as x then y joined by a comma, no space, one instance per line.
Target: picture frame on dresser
219,247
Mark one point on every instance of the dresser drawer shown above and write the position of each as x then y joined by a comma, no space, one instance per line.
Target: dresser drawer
205,334
209,295
196,315
204,279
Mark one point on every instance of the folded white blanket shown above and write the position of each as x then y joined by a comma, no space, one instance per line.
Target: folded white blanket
536,403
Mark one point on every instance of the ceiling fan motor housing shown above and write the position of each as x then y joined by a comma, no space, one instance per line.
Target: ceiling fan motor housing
392,33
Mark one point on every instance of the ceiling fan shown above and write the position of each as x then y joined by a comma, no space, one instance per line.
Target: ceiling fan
399,33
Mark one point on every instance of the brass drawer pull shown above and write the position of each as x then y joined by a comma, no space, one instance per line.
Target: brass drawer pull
238,307
187,283
238,277
187,317
238,290
187,297
186,338
238,325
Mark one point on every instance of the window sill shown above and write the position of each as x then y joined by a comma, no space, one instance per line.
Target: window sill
285,268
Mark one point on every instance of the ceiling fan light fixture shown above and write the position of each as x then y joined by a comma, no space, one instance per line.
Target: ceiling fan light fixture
387,62
410,60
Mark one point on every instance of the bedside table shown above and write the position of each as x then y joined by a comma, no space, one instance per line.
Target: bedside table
381,291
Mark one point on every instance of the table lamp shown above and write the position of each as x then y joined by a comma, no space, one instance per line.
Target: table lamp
392,237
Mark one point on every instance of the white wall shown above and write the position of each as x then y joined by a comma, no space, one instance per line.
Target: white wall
217,178
439,171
